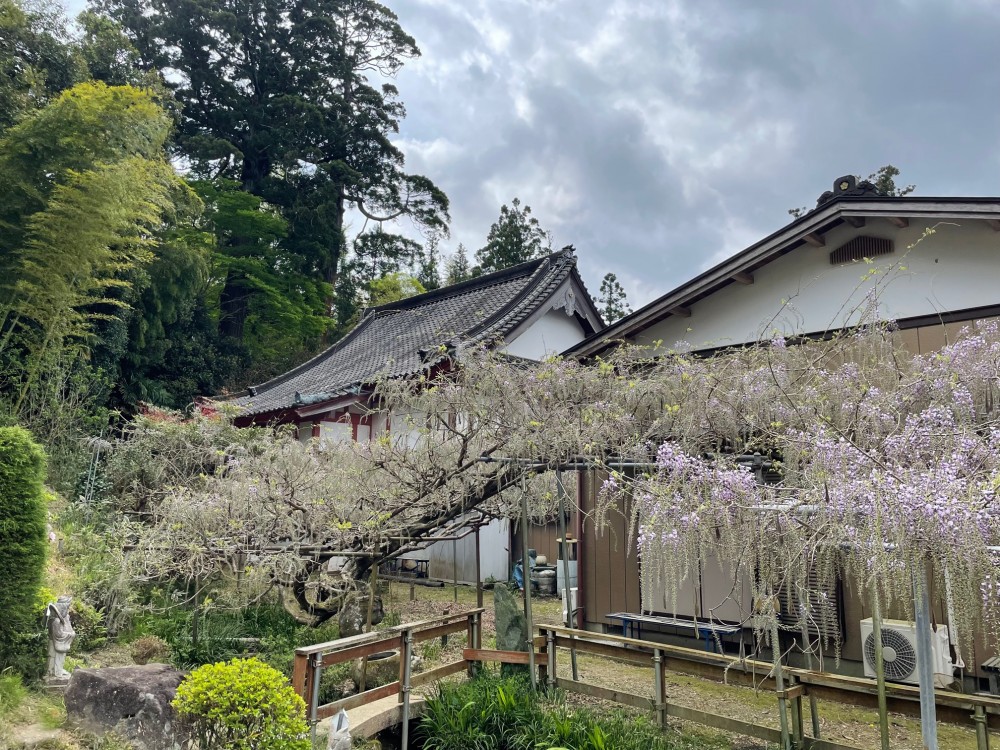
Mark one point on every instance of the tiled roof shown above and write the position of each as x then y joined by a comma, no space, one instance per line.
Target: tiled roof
402,338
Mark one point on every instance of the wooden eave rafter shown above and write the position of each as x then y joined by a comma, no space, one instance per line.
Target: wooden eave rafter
900,221
681,311
814,223
814,239
743,277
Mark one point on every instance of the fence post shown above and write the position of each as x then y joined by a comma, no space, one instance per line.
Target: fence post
404,688
797,730
317,672
550,645
659,691
982,729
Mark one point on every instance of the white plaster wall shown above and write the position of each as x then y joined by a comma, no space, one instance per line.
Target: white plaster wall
955,268
330,432
553,333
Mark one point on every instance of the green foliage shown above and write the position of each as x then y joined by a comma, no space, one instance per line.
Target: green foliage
22,548
492,713
242,705
457,267
37,60
612,302
89,626
311,136
391,288
516,237
12,692
88,186
884,180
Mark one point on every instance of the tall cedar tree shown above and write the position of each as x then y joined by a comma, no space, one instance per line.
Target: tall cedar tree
292,100
514,238
22,548
612,301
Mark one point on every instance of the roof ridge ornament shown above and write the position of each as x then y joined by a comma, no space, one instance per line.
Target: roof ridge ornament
848,186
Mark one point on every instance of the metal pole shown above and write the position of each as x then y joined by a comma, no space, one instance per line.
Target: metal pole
454,566
807,645
883,715
982,728
314,693
526,578
925,659
479,574
779,679
661,700
567,589
405,687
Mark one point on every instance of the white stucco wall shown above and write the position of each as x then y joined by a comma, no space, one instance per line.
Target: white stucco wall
955,268
330,432
553,333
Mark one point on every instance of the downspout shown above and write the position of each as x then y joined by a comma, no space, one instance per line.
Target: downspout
580,552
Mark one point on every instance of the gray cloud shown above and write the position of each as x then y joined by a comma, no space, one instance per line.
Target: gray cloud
659,137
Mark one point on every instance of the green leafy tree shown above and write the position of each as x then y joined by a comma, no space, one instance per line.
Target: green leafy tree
457,266
884,180
293,100
514,238
392,288
22,547
612,301
37,59
428,271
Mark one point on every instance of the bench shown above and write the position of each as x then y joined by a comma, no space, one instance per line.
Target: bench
632,623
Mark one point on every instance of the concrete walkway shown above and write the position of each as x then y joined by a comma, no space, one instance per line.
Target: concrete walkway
368,720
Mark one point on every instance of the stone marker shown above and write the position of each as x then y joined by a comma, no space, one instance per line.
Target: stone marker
134,701
511,625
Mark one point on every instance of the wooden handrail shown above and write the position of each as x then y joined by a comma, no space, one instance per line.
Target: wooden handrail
858,685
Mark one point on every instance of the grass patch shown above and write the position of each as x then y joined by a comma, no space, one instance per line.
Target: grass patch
501,713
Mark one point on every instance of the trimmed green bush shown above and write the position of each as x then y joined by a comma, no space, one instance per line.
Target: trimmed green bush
22,550
242,705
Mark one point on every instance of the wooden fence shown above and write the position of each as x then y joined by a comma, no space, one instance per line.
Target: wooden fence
977,711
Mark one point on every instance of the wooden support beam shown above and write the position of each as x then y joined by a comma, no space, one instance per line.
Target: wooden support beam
855,221
504,657
815,240
684,312
743,278
900,221
995,223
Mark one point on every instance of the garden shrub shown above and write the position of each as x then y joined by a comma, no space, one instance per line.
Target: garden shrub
242,705
149,648
22,549
89,626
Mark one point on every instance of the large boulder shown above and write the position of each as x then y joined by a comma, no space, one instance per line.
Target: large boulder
353,616
134,701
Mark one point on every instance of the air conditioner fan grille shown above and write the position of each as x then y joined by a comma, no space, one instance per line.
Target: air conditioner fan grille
900,661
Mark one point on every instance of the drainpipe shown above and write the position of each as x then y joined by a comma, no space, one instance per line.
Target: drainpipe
581,550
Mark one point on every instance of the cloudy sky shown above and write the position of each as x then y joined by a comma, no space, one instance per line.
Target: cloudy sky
660,137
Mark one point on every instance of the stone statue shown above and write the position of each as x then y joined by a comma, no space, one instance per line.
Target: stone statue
61,635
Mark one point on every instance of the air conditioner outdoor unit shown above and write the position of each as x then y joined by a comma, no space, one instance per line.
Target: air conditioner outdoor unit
899,652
